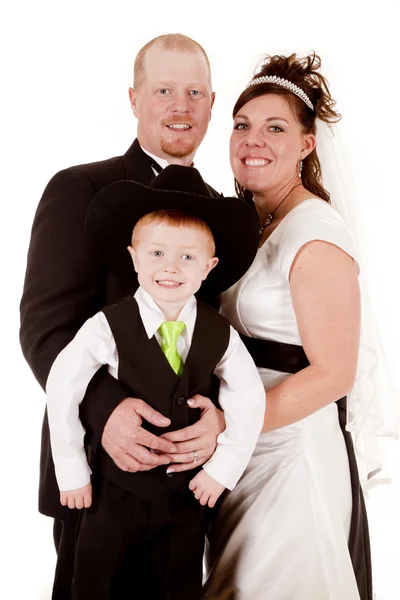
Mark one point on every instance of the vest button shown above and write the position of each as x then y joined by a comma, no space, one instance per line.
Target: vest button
169,474
180,400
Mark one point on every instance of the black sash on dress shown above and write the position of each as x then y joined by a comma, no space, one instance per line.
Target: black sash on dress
290,358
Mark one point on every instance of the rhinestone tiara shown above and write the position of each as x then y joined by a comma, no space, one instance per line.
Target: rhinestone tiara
292,87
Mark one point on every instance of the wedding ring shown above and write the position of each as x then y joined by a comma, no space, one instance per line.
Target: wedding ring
195,456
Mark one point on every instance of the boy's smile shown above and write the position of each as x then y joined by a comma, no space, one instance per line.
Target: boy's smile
171,263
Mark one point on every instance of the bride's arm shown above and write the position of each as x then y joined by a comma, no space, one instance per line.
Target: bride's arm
326,299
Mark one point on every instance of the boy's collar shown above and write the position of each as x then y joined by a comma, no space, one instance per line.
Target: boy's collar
152,315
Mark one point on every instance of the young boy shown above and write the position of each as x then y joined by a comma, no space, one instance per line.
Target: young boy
167,347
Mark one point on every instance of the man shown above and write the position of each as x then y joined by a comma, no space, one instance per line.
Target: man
172,100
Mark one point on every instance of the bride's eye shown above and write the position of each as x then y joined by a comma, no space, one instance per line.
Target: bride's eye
275,128
240,126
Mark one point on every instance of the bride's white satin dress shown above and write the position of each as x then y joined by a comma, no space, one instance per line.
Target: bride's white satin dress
282,533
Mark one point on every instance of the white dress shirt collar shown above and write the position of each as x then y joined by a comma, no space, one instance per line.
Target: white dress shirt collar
153,317
161,161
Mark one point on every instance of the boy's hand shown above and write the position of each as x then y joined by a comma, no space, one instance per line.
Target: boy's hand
206,489
80,498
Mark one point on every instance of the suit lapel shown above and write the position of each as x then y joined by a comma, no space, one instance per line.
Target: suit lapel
137,165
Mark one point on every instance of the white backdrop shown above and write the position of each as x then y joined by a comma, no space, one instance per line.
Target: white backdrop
66,67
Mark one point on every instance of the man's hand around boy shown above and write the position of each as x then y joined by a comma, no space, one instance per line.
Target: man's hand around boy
129,444
79,498
206,489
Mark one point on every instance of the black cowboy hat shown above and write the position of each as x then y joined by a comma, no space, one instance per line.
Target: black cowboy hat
116,209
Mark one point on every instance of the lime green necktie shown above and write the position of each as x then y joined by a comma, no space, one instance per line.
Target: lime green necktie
171,330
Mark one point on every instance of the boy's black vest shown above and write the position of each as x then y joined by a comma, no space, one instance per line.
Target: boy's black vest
144,368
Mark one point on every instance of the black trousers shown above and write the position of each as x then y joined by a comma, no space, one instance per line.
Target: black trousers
65,535
129,548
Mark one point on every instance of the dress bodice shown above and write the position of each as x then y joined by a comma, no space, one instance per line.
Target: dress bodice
259,304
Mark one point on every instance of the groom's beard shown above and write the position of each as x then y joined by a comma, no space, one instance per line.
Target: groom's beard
179,145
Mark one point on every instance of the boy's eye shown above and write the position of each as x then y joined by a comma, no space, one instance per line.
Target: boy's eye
187,256
157,253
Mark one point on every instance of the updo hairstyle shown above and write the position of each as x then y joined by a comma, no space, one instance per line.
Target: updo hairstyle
303,72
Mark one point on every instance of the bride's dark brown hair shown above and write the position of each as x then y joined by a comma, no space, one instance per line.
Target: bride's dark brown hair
303,72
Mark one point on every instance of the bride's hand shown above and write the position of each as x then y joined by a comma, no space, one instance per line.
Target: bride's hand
196,443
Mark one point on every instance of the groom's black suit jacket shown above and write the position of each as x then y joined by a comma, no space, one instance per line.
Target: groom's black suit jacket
64,286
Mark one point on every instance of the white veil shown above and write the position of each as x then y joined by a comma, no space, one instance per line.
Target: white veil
373,404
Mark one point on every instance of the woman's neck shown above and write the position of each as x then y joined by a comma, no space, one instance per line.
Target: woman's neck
267,203
269,200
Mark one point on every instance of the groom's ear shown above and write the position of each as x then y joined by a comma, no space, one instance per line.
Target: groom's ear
133,100
212,103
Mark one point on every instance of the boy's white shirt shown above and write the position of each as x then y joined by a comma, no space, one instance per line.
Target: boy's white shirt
241,395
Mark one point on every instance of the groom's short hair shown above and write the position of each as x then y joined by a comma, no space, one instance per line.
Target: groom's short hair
169,41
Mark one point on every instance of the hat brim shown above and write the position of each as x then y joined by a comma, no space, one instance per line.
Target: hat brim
116,209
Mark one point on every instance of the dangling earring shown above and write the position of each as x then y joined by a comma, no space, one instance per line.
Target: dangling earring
300,168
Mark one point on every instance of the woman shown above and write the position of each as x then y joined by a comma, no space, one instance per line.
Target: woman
294,528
